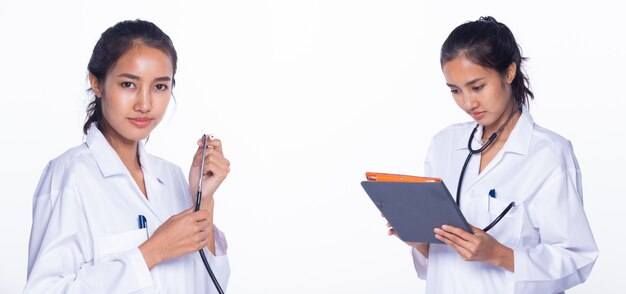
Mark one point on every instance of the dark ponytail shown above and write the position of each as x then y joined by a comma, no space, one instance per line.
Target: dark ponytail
94,113
113,43
490,44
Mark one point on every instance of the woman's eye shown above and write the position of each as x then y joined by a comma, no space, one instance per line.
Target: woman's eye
161,87
454,91
127,85
478,88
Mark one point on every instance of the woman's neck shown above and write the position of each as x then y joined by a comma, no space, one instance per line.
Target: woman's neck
125,149
497,145
508,119
128,153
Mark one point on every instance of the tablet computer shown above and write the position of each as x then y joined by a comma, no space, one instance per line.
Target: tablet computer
414,206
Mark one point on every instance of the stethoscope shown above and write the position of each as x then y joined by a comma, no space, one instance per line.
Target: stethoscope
196,208
473,151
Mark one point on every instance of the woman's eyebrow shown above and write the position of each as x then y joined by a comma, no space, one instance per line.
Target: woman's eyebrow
163,79
474,81
130,76
137,78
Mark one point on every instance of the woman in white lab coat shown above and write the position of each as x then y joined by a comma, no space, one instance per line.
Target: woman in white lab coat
86,235
543,244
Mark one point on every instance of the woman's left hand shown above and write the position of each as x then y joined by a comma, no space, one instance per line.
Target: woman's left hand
216,168
479,246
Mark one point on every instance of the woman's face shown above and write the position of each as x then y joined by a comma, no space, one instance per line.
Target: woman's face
135,93
481,92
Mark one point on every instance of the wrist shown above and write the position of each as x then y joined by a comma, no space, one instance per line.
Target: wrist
503,257
151,254
423,248
208,202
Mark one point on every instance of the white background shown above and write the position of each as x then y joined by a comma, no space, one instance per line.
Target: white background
307,96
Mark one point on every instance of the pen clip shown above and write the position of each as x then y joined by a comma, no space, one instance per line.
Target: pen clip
141,220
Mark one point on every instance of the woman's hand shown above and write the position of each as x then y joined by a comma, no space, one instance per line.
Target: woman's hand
421,247
181,234
479,246
216,168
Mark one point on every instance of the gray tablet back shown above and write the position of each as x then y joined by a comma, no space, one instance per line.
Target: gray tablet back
415,209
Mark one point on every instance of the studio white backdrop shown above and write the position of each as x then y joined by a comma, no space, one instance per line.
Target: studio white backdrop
307,96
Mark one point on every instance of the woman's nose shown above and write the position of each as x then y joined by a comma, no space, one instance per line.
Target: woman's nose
470,101
144,101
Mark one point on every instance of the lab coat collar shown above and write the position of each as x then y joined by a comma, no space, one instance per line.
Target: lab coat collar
518,141
148,163
110,163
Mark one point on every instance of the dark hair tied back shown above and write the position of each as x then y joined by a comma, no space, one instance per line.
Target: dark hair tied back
113,43
490,44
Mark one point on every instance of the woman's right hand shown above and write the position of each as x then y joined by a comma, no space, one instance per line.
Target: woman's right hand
182,233
421,247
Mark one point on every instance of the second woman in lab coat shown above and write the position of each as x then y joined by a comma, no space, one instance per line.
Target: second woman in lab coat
85,235
544,243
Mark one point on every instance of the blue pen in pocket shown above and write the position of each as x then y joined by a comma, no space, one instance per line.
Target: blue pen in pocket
143,224
491,194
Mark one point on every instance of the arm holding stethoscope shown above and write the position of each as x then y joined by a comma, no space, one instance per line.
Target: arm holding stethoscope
62,258
62,255
197,227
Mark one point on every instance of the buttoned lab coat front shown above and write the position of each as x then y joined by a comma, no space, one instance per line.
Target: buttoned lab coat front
85,232
547,229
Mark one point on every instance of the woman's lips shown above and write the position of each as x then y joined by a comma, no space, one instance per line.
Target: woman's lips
140,122
477,115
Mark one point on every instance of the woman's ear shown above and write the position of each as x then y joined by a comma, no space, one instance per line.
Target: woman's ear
95,85
510,73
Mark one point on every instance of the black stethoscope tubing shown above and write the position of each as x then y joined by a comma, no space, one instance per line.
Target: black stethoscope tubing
216,283
478,151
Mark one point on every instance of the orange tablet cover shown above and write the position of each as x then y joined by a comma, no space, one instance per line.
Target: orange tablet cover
381,177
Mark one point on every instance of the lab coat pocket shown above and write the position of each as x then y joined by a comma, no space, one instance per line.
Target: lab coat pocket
108,247
508,231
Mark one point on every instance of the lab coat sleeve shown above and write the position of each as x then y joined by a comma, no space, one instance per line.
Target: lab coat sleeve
61,255
420,262
567,250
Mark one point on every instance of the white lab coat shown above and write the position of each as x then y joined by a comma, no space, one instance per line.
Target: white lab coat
547,229
85,232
